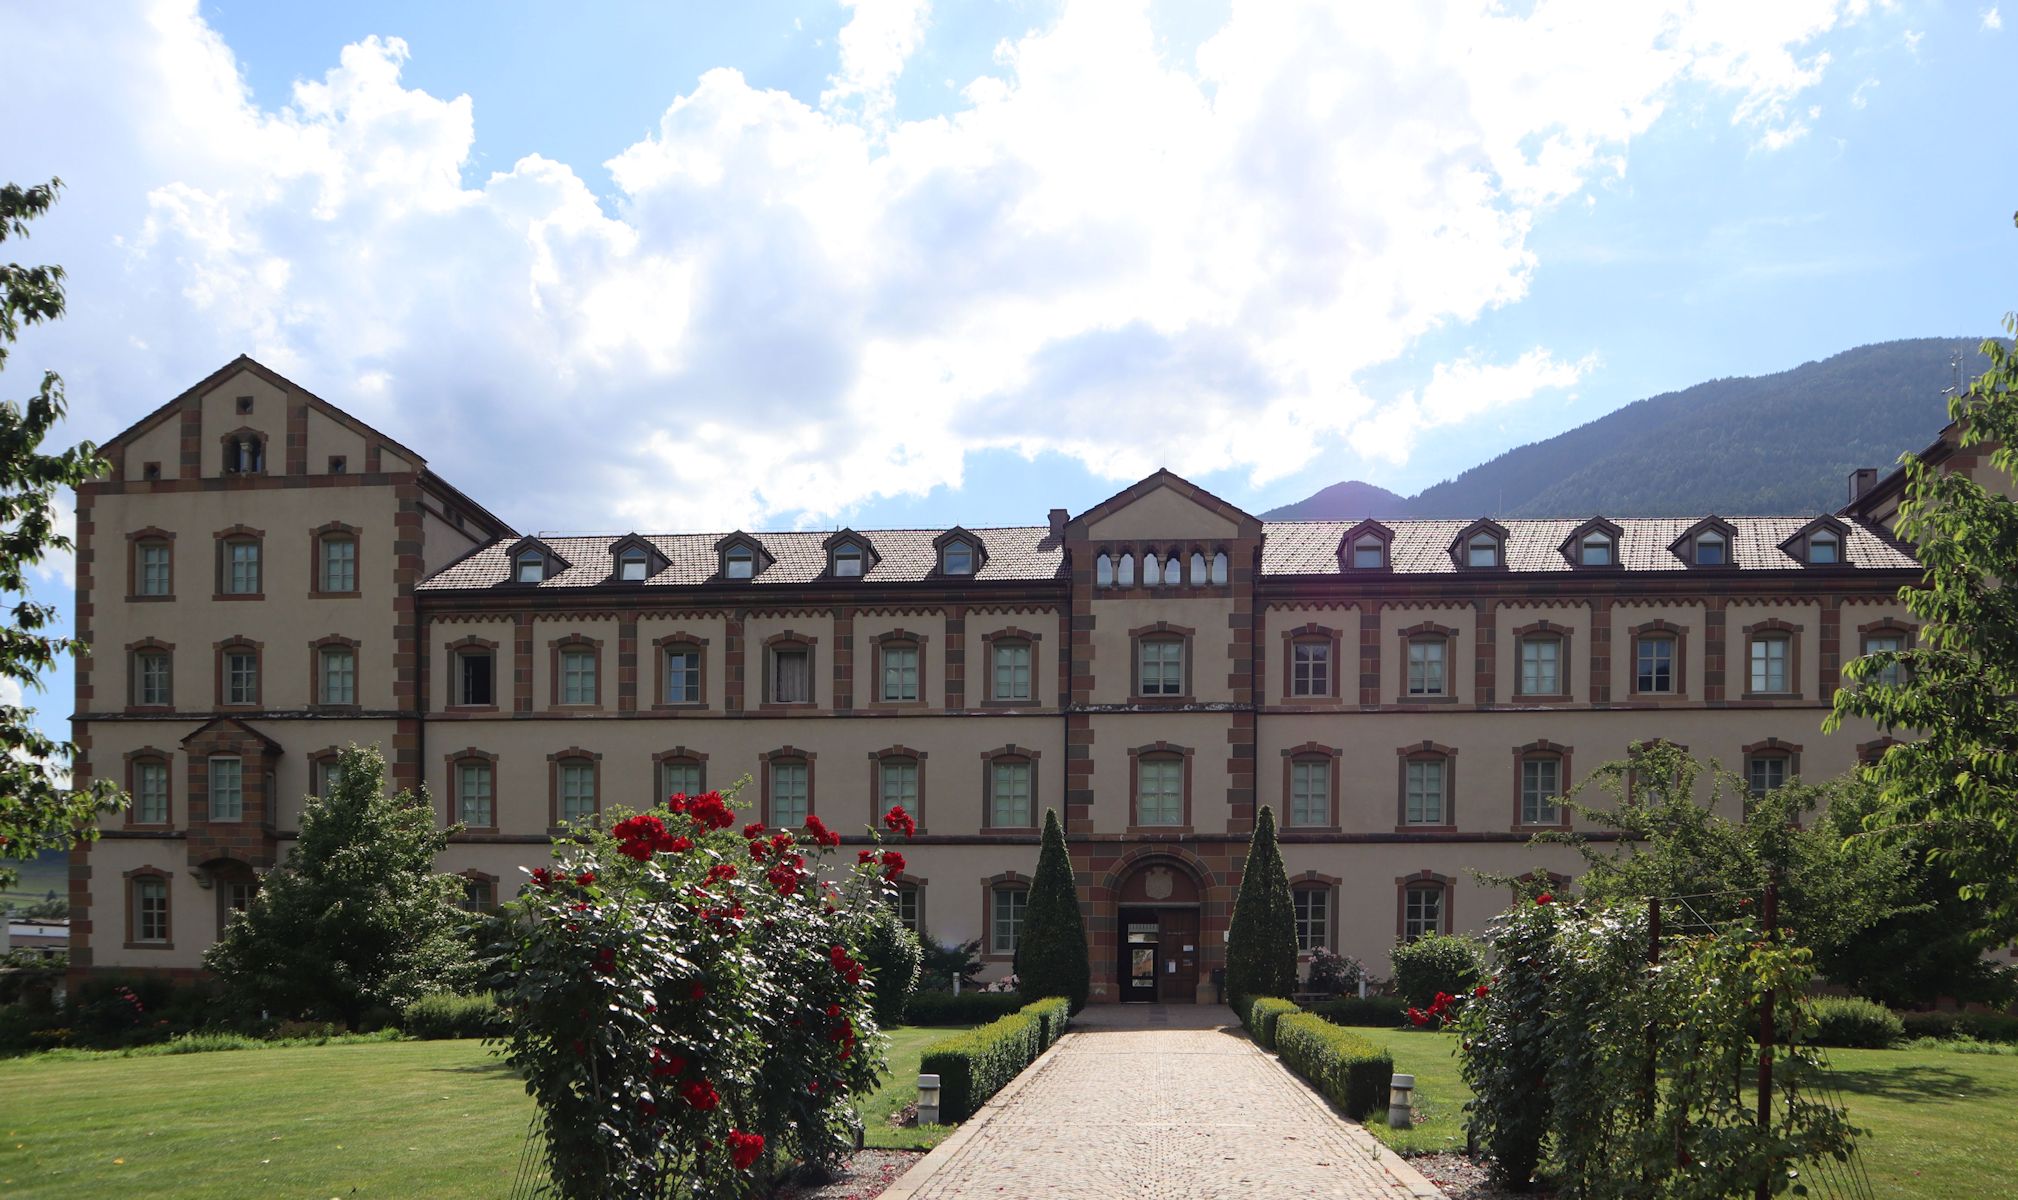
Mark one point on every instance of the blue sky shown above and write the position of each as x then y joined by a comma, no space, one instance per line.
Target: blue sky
896,263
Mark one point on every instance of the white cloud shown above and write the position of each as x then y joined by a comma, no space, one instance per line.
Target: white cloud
1992,22
785,308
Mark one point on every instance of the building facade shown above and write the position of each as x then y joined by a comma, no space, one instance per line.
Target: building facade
265,579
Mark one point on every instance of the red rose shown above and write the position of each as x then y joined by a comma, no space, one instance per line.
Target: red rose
745,1148
586,878
893,864
721,871
754,829
1480,991
833,1010
863,856
665,1065
821,834
606,961
1544,898
699,991
900,821
681,844
1418,1017
701,1094
545,878
647,1108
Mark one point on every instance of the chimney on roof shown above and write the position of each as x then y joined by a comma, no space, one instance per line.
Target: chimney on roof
1862,480
1058,518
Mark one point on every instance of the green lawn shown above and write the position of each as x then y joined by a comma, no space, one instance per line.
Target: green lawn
427,1120
1942,1123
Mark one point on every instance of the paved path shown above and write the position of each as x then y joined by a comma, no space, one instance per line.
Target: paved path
1162,1102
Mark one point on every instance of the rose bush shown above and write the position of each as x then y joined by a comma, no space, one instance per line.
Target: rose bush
686,1001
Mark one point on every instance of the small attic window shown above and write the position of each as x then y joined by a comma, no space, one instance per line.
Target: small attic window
244,405
338,464
632,566
1369,553
1825,549
1481,550
740,562
957,558
1712,550
847,561
150,471
1595,550
531,567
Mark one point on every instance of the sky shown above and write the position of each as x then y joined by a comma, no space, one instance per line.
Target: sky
686,266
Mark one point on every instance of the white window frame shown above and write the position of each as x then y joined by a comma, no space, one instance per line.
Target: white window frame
1541,668
791,798
1541,790
338,562
150,792
1425,791
1004,667
1310,792
1010,789
578,675
226,788
1160,666
155,567
476,793
1011,901
899,671
1771,658
1159,781
576,788
1422,666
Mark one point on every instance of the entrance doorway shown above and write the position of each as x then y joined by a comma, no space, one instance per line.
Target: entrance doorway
1159,955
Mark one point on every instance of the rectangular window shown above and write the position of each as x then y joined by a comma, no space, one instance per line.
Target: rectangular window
339,675
1012,671
683,675
150,793
473,803
1654,666
1310,669
790,798
906,904
1886,643
478,895
475,671
1423,803
678,777
900,674
150,684
1310,791
1766,772
791,677
1422,913
227,789
1541,787
153,566
1162,667
150,909
241,677
578,791
238,896
898,780
324,778
241,568
1159,791
1008,923
1769,664
1313,919
578,677
339,564
1425,666
1009,795
1541,663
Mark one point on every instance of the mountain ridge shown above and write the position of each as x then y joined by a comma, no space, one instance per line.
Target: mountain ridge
1738,445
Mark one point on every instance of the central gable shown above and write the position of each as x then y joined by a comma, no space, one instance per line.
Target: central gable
1163,507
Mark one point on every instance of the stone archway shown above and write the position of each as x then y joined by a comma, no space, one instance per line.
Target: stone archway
1156,914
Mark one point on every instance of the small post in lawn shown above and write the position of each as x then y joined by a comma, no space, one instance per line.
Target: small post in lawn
1772,907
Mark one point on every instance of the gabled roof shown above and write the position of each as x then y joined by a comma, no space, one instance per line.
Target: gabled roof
731,540
272,746
870,558
246,362
1687,538
1571,547
1460,541
1249,525
530,542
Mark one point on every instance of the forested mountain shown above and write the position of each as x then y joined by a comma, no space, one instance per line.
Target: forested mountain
1782,443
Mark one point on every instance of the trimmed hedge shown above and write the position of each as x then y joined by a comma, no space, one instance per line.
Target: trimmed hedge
967,1008
1378,1012
1984,1027
1262,1014
974,1065
449,1015
1351,1071
1854,1024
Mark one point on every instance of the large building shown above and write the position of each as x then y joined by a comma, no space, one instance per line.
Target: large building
265,579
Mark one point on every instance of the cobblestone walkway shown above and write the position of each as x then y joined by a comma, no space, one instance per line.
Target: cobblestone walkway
1160,1102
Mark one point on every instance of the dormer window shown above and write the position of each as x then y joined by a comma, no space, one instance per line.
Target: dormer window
1481,550
1595,550
849,554
739,563
958,559
1369,553
1366,547
1712,549
632,566
533,561
531,568
1825,549
848,561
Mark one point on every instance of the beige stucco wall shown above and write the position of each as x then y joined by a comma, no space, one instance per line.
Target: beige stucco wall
815,625
327,437
1627,616
1161,515
710,629
597,627
221,416
1808,667
1575,665
1464,649
1211,662
1044,623
927,625
162,444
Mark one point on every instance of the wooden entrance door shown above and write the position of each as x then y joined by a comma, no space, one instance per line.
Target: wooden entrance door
1177,954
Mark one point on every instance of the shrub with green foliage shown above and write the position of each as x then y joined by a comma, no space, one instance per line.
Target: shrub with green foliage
1051,949
1351,1071
1433,963
974,1065
891,952
1379,1012
1261,942
1851,1023
1261,1015
967,1008
1983,1027
454,1015
1052,1013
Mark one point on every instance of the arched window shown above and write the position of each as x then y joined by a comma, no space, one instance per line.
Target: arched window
1424,909
1125,577
1173,570
1103,571
1198,569
1219,567
1152,570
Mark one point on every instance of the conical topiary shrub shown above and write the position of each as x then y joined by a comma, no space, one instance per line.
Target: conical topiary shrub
1051,953
1261,944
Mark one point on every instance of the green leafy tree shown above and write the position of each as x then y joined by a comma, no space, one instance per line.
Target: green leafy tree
892,954
1051,952
1261,944
357,918
39,810
1433,963
1954,786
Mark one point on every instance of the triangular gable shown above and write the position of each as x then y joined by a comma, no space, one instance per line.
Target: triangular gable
870,557
1683,547
247,363
1459,543
233,723
655,560
1796,547
1352,536
1571,547
530,542
1245,524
